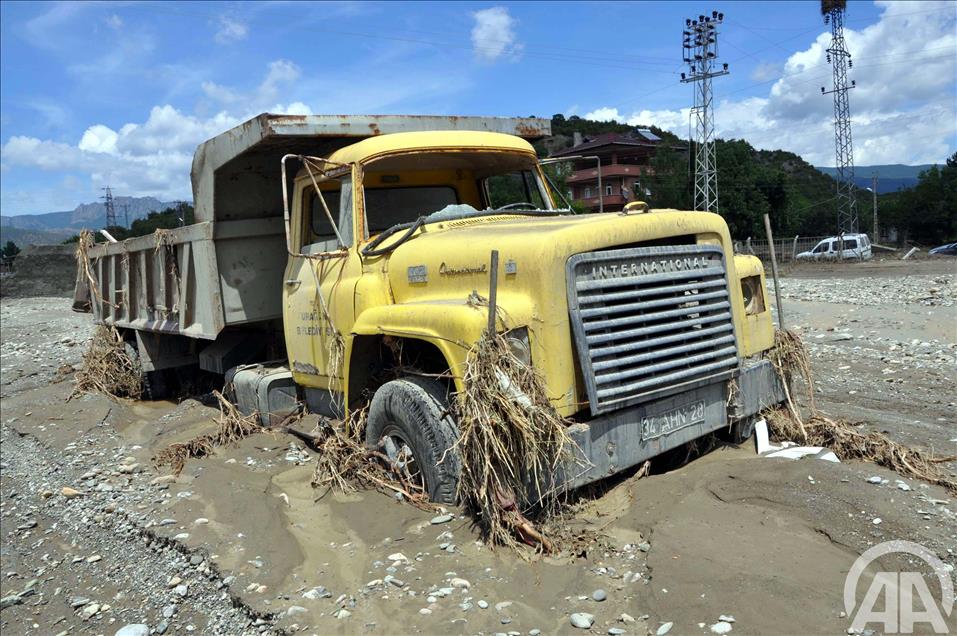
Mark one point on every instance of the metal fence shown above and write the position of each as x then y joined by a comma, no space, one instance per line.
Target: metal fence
786,249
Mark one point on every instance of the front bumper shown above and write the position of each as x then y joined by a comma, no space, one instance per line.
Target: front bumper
615,441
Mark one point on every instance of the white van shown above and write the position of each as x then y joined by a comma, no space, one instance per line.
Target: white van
855,247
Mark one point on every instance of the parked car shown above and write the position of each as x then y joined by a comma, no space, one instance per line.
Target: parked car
945,250
855,247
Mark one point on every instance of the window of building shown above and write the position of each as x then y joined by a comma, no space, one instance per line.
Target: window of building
587,193
608,190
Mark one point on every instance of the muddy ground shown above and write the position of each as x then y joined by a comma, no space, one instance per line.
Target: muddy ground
240,542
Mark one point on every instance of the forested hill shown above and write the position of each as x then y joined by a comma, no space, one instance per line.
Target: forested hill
798,197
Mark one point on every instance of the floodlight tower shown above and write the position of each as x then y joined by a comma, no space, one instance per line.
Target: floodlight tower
110,207
840,60
699,45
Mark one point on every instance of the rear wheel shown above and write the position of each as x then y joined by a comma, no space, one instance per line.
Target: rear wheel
409,421
154,382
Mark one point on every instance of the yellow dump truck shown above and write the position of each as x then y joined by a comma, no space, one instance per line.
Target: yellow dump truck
339,262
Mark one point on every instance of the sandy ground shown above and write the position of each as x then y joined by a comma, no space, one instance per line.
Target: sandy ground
240,542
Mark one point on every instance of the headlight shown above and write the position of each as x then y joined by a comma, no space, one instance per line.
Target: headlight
753,293
519,345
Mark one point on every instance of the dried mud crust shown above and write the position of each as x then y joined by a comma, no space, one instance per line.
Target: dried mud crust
417,410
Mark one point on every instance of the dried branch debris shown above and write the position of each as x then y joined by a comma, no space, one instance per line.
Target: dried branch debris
109,367
512,443
233,426
790,357
345,464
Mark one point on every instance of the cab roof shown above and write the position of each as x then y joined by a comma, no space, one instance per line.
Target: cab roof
369,149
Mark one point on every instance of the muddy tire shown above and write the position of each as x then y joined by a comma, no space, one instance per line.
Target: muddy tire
412,414
153,382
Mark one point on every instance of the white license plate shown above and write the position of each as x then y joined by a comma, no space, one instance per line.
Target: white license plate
674,420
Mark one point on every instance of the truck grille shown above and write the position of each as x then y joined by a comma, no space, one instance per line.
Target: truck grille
650,321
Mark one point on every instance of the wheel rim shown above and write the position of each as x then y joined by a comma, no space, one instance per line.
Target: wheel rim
402,458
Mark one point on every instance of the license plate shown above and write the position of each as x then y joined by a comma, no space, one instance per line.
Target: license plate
674,420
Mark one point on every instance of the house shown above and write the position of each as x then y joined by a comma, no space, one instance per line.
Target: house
624,159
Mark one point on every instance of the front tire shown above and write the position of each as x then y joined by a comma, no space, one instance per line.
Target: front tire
411,415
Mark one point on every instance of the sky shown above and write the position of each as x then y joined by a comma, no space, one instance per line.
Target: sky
120,93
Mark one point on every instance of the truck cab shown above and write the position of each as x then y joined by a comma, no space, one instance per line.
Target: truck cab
641,323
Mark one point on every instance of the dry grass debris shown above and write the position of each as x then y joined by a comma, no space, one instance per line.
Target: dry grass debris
345,464
233,426
848,441
108,367
512,443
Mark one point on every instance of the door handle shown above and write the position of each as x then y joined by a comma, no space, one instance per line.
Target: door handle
293,282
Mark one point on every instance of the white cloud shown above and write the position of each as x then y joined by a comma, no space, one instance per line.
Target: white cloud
114,21
99,138
279,79
493,35
604,114
765,71
153,157
903,107
230,30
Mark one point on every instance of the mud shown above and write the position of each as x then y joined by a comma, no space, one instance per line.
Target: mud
728,533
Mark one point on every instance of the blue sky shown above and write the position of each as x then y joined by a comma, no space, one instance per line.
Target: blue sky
121,92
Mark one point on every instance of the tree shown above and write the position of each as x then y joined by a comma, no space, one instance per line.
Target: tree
926,213
669,182
9,251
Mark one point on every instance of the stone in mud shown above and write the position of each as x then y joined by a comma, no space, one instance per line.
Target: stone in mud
581,620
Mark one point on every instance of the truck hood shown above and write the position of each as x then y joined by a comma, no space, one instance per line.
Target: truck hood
449,259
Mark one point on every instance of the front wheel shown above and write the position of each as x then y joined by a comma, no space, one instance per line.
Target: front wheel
409,421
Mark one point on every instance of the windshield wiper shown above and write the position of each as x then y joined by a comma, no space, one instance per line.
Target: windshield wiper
370,249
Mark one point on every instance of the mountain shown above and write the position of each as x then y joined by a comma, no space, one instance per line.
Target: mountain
86,215
22,237
890,177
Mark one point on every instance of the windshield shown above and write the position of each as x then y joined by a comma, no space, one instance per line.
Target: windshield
451,184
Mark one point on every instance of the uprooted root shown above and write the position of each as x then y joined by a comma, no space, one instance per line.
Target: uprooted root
790,357
233,426
345,464
108,367
511,443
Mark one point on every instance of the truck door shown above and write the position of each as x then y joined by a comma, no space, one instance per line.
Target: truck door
319,288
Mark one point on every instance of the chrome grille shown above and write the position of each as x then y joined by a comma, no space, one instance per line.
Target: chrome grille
650,321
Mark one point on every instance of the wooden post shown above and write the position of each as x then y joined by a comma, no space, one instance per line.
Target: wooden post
492,293
774,272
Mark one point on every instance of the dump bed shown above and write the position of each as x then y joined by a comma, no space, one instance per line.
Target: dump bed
226,269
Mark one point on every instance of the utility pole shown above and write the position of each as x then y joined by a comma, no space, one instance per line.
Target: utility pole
700,51
110,207
840,60
876,237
